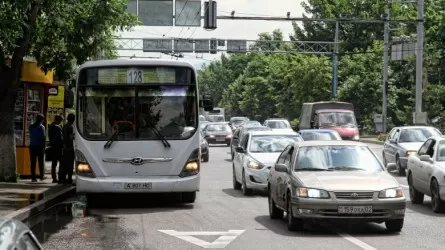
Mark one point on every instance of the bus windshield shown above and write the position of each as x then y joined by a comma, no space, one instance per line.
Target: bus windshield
168,107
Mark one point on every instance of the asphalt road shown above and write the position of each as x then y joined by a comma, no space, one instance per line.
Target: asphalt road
152,222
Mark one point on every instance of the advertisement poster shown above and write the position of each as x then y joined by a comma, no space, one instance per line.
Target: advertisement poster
55,103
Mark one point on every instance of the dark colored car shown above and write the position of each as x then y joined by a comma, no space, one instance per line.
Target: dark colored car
16,235
218,133
239,132
204,149
320,135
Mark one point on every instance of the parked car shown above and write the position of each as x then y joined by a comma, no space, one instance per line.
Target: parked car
318,180
403,142
218,133
16,235
278,124
426,171
236,121
255,155
239,133
205,154
319,135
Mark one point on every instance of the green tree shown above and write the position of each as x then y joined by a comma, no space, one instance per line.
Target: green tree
81,30
352,35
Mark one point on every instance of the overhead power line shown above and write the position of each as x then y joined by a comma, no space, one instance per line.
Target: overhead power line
306,19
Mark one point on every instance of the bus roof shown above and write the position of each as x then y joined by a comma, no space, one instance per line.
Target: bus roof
135,62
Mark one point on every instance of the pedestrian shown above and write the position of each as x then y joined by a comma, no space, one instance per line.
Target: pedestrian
37,145
56,143
68,151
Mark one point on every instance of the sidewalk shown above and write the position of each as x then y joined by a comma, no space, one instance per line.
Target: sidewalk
25,198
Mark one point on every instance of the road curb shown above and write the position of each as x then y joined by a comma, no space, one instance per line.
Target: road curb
48,201
372,141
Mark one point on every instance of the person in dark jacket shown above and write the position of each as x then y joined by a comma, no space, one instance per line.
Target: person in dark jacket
37,146
56,143
68,151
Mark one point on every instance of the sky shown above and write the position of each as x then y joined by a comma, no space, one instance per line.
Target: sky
226,29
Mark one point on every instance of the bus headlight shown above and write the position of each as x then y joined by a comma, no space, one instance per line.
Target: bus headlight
192,166
83,168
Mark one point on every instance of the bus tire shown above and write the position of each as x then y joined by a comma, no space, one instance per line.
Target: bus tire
189,197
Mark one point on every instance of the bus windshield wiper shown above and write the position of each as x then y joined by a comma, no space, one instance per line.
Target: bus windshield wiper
113,137
159,135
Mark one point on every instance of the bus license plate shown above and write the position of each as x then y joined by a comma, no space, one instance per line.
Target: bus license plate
137,185
355,209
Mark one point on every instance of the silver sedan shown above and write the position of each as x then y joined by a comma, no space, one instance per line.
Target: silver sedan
334,180
256,154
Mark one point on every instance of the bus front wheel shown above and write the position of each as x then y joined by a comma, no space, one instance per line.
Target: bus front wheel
189,197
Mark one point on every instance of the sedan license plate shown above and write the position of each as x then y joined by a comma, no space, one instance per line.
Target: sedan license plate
355,209
137,185
220,139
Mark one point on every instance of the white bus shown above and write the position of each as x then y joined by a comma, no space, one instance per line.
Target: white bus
137,127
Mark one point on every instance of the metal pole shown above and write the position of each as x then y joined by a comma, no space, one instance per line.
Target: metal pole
335,63
385,70
419,56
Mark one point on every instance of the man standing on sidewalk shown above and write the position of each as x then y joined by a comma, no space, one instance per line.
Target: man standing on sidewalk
56,143
37,146
68,151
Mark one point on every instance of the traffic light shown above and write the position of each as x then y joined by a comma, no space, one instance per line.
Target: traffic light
213,46
210,15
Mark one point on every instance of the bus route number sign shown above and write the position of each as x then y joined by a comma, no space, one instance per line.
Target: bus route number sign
135,76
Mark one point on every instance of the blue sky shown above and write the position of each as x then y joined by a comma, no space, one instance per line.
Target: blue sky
227,29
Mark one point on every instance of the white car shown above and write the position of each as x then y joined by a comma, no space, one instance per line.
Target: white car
426,171
255,155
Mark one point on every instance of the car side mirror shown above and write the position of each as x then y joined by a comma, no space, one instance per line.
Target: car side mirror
239,149
392,141
281,168
391,167
425,158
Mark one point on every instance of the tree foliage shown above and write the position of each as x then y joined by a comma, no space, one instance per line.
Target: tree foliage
59,34
275,85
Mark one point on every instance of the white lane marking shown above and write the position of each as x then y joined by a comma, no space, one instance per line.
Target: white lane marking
225,237
355,241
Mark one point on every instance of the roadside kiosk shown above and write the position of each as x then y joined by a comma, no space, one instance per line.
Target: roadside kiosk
38,93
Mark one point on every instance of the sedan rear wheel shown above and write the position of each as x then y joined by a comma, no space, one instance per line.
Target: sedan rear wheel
437,204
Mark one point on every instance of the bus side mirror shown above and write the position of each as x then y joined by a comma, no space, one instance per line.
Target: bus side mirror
206,103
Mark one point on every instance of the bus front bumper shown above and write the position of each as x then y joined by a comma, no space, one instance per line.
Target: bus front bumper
142,184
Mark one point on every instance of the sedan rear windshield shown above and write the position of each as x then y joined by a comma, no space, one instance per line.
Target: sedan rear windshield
337,158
